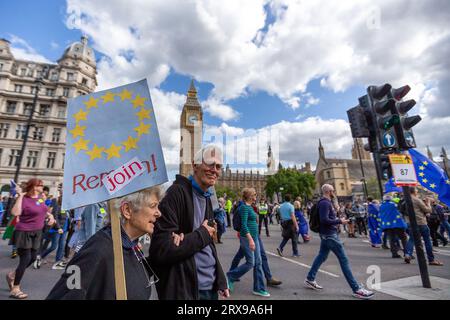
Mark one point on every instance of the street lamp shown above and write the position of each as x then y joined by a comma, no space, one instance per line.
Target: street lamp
39,82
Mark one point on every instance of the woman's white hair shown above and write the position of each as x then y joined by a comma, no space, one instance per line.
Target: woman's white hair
138,199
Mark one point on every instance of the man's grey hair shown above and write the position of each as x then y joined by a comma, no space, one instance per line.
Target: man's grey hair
207,153
387,197
326,188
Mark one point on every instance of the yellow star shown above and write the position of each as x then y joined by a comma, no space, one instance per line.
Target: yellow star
143,128
425,163
143,114
125,94
131,143
425,180
78,131
81,145
421,174
113,151
138,101
421,168
91,103
432,185
108,97
80,115
95,153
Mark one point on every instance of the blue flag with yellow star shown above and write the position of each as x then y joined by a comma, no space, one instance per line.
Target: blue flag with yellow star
390,186
431,176
108,131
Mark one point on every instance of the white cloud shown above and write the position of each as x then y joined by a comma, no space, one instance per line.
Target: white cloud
342,43
218,109
23,51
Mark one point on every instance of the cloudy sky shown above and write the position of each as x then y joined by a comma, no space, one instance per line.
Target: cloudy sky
293,67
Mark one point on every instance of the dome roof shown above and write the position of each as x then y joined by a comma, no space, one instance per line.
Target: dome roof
80,50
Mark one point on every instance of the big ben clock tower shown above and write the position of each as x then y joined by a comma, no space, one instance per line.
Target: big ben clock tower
191,130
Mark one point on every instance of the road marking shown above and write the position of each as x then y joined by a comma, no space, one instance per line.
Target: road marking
443,252
302,264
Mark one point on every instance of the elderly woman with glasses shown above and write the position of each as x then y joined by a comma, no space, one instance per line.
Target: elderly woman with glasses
31,212
94,263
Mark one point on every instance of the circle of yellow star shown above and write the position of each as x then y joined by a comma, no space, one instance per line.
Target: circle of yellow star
113,151
108,97
91,103
95,152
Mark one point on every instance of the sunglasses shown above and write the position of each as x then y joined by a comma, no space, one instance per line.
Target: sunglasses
213,166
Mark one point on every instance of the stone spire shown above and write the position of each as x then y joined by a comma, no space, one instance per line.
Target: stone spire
192,96
429,154
321,150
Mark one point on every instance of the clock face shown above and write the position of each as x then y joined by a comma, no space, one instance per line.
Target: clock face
192,119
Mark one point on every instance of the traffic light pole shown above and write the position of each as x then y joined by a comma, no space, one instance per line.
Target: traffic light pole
417,239
376,159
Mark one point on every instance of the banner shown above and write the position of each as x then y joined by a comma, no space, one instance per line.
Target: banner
112,137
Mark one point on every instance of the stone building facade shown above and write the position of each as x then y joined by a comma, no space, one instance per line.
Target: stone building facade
74,74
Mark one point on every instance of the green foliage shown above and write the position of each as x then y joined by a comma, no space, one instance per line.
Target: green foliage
293,182
231,194
372,188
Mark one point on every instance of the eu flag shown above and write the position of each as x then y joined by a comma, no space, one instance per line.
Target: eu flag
390,186
431,176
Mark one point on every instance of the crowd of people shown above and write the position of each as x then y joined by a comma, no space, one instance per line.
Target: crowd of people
183,261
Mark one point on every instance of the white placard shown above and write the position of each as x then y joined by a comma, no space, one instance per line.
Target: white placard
403,170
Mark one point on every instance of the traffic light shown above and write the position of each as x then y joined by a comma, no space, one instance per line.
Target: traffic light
382,117
385,167
358,122
403,128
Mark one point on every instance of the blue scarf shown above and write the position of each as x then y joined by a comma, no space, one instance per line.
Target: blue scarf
197,188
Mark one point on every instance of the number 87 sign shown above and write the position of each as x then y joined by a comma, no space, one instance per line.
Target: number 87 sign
403,170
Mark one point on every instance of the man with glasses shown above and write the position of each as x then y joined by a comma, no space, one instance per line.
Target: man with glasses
190,271
329,241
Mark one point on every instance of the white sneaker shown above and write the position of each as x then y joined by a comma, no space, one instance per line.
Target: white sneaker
37,262
363,294
312,285
59,266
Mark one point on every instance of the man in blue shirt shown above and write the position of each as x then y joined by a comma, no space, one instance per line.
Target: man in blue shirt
331,242
289,225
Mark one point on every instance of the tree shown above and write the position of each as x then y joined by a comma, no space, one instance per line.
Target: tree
293,182
231,194
372,188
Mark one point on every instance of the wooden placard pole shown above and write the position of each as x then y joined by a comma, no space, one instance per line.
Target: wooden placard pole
119,270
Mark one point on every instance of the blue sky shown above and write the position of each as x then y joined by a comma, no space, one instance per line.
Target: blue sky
297,73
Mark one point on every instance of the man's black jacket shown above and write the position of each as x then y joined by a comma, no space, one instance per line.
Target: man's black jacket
175,266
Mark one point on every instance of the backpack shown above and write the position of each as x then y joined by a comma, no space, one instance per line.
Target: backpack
236,219
314,218
402,208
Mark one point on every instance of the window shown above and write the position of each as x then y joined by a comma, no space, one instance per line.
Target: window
1,66
342,187
51,160
50,92
84,81
64,156
14,158
18,88
54,76
56,135
30,73
61,112
33,90
38,73
32,159
23,71
328,174
44,110
38,133
11,106
4,128
20,131
70,76
28,107
80,93
66,92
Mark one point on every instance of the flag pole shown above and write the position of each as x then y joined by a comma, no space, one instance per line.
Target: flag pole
119,269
